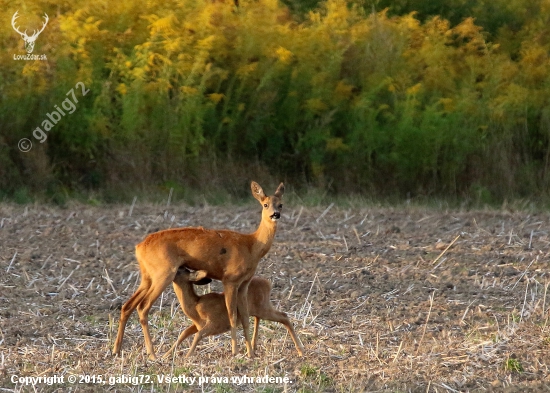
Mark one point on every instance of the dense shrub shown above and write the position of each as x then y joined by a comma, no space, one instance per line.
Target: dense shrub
198,92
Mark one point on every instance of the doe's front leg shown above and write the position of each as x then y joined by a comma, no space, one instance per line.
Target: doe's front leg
231,302
242,311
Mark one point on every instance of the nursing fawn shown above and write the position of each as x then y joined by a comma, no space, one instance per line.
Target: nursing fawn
209,314
228,256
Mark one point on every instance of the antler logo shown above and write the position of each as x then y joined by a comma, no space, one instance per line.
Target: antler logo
29,41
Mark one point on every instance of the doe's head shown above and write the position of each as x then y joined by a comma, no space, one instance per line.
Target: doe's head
272,205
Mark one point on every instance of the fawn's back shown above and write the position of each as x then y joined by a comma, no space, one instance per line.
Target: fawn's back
212,305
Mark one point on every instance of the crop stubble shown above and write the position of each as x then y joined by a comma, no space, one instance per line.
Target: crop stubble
379,299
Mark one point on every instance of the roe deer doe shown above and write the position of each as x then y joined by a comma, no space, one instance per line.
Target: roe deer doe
228,256
209,314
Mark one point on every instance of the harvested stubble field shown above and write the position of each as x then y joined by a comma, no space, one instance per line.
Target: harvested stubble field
379,300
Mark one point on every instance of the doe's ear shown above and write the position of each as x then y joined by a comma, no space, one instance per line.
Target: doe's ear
257,191
198,275
280,191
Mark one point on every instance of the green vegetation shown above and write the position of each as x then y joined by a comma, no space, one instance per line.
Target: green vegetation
314,375
308,371
448,98
513,365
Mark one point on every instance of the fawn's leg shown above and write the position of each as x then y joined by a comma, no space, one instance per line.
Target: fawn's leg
208,330
281,317
183,335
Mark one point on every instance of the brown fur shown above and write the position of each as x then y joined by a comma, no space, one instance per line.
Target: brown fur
209,315
162,253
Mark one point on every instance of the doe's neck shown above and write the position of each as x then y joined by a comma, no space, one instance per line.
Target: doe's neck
264,235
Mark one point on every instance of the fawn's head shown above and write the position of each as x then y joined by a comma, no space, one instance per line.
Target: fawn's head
272,205
184,276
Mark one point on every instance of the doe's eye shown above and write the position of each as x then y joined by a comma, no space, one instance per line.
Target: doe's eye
280,206
265,204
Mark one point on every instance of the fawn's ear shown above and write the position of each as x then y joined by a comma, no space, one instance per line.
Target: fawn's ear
198,275
204,281
257,191
280,191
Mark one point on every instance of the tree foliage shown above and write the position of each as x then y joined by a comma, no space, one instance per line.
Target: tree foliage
425,102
